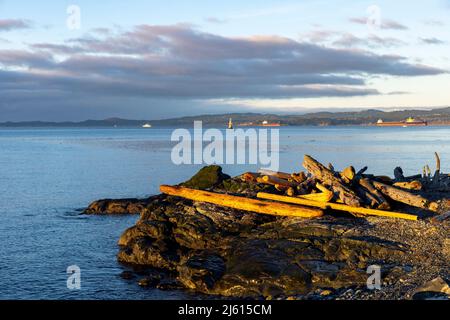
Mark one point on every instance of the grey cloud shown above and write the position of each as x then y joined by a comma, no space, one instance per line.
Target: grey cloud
385,23
168,63
13,24
216,20
22,58
346,39
431,41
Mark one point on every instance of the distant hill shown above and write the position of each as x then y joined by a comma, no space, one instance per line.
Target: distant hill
366,117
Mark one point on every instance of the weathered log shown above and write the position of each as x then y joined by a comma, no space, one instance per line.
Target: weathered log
250,177
362,171
273,180
410,185
369,199
336,206
241,203
307,186
398,174
406,197
290,192
348,174
442,217
281,188
331,167
325,196
437,173
299,177
281,175
382,203
328,178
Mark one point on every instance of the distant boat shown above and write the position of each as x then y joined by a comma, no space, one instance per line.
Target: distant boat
147,126
410,122
230,124
264,123
268,124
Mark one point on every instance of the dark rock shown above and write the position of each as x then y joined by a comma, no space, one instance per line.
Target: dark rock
127,275
169,284
201,271
219,251
149,252
207,177
149,282
213,250
119,206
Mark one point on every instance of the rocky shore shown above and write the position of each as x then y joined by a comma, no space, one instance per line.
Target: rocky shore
222,252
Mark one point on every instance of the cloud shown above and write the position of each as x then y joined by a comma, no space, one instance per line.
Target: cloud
384,24
431,41
14,24
156,65
216,20
393,25
346,39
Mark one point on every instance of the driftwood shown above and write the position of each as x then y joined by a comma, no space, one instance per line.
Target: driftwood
410,185
442,217
403,196
437,173
336,206
273,180
299,177
270,173
307,186
324,196
381,202
348,174
250,177
362,171
242,203
328,178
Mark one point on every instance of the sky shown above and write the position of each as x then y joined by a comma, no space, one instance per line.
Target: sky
136,59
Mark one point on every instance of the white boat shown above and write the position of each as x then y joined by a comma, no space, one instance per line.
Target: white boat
147,126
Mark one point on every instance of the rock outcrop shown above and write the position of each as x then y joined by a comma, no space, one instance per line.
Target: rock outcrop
218,251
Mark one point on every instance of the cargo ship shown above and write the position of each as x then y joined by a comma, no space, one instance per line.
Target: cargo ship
260,124
410,122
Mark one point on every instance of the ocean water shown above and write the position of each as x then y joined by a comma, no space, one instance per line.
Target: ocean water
48,175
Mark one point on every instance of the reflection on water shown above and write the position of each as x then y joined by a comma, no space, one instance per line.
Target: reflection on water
46,175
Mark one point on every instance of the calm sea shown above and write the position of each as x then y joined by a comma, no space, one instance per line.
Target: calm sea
47,175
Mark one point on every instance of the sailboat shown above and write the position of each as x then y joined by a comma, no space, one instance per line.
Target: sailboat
230,124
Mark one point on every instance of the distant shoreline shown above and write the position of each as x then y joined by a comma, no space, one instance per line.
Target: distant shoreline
434,117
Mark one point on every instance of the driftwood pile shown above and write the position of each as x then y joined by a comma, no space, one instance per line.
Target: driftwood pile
308,194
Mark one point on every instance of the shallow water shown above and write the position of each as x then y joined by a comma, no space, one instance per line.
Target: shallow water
47,175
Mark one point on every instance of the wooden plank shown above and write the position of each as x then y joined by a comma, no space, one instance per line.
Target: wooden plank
336,206
241,203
